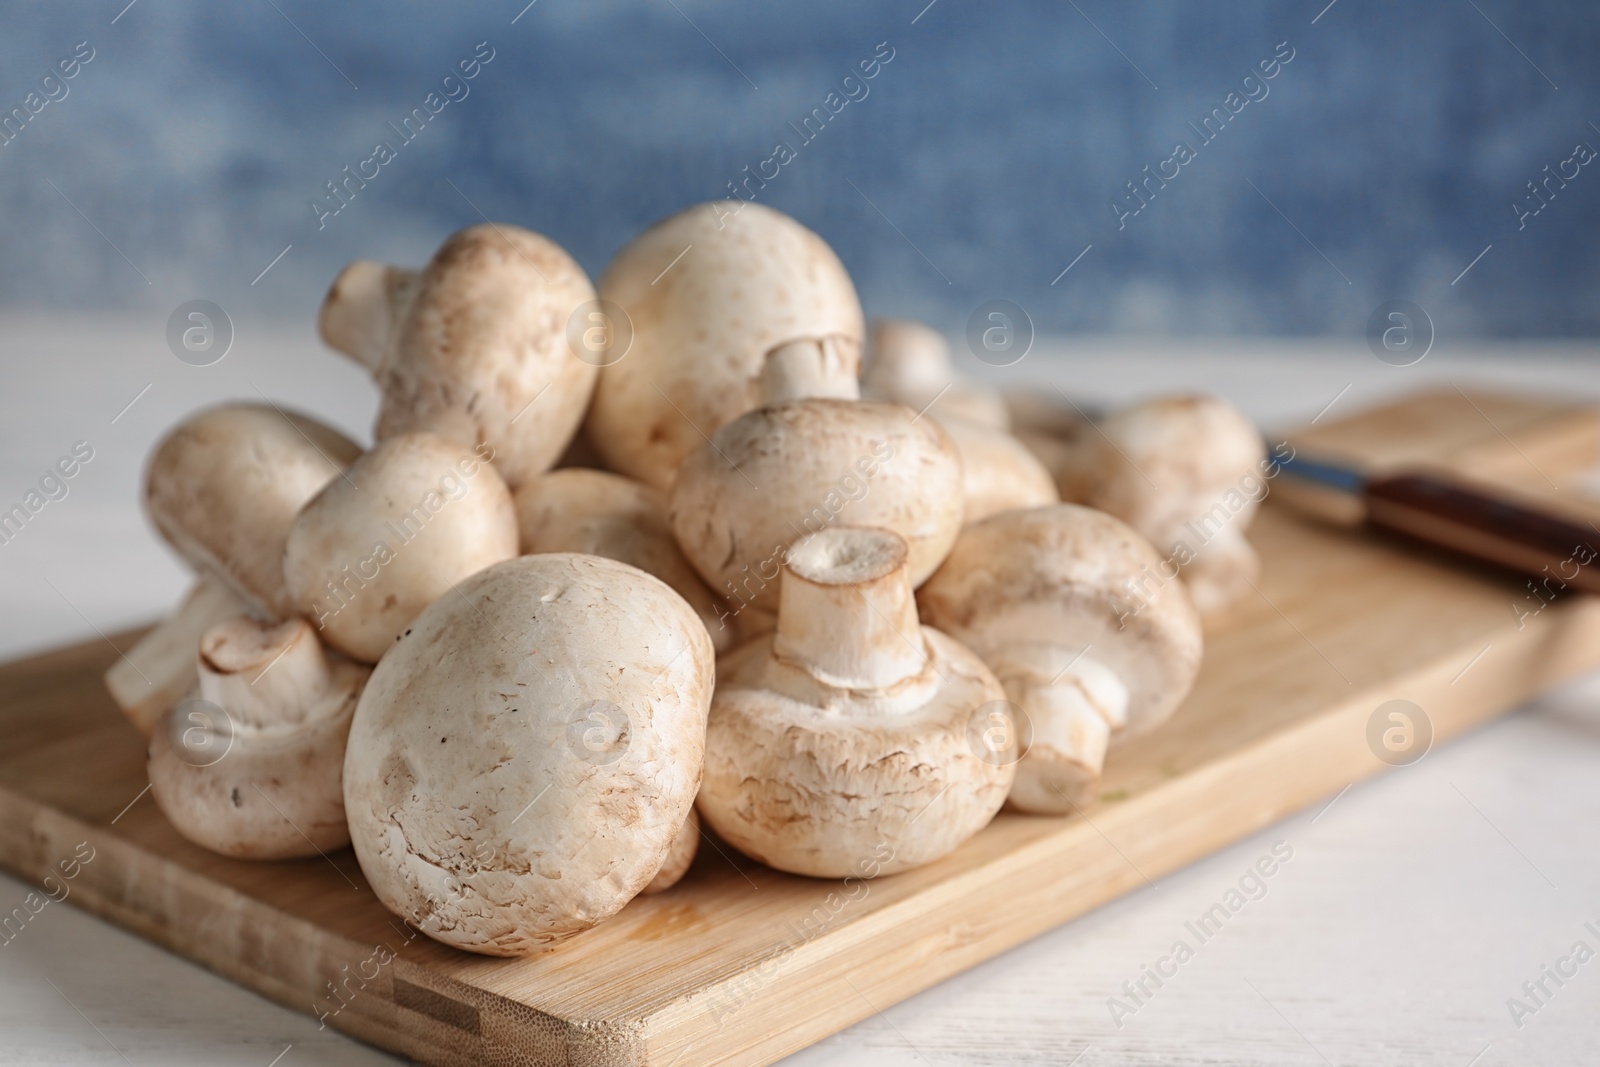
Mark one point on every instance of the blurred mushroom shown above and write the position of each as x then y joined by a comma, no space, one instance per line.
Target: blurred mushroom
224,486
474,346
841,743
709,293
1049,427
909,363
998,473
1047,413
803,463
252,768
524,758
603,514
1045,597
1054,453
159,670
407,522
680,856
364,310
1187,472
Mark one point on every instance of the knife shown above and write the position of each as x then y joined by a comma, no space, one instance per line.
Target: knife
1451,513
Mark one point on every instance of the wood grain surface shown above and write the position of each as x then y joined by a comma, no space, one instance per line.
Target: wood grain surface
742,965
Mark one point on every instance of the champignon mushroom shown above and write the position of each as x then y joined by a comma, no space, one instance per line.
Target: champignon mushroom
407,522
603,514
709,293
1055,454
680,857
998,473
1091,640
523,759
1185,471
473,347
1047,413
803,463
1049,426
251,767
843,741
224,486
910,364
159,670
364,309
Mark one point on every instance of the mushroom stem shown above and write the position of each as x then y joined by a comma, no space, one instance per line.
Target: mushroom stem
846,613
1074,710
363,308
263,676
259,774
157,672
810,367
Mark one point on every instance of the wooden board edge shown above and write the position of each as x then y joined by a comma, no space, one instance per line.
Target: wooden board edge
425,1016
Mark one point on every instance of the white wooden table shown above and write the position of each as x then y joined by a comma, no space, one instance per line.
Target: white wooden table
1414,906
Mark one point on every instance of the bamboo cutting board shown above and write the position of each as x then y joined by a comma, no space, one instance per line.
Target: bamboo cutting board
742,965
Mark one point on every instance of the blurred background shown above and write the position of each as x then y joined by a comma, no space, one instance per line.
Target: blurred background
981,159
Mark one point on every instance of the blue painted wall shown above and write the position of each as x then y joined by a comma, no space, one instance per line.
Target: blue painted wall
977,163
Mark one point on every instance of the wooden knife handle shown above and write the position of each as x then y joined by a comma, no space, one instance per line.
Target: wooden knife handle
1486,527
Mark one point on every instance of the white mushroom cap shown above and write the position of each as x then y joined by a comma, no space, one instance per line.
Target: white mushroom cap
364,309
998,472
1222,572
680,856
702,324
160,670
1055,431
1045,411
910,364
843,744
523,759
251,768
474,347
779,472
1164,461
1056,454
604,514
1068,605
1182,470
407,522
223,487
